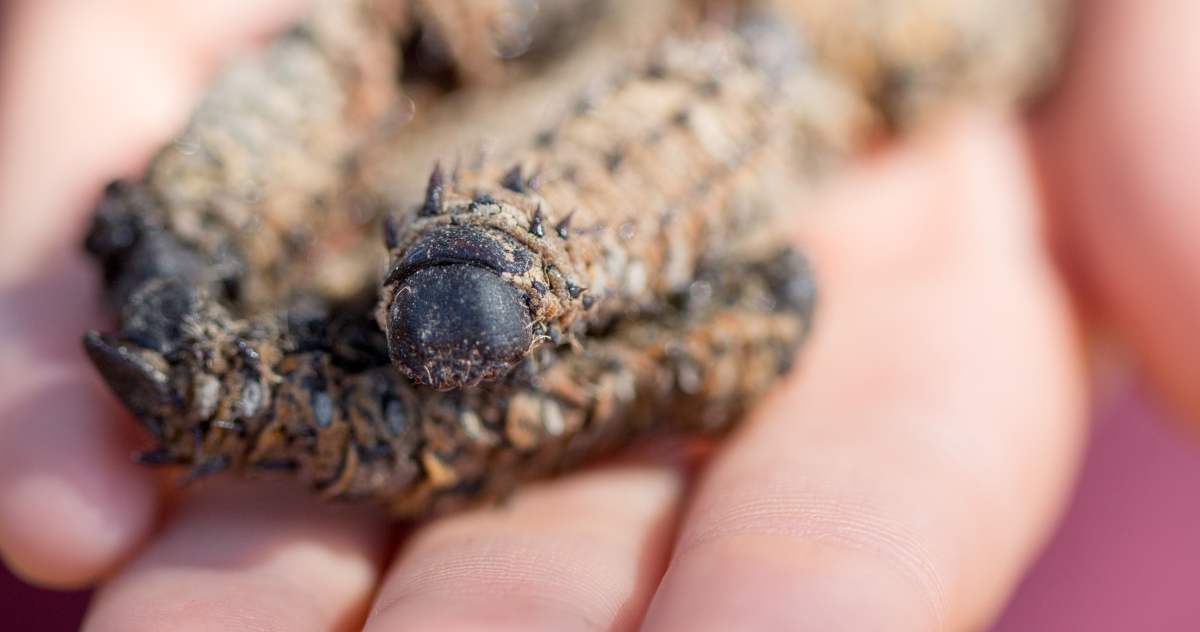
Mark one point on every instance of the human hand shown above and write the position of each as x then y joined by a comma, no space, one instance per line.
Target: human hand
901,480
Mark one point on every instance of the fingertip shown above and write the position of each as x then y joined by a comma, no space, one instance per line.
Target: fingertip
72,504
579,553
71,544
1117,149
253,556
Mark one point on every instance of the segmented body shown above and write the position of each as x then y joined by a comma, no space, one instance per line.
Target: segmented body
621,271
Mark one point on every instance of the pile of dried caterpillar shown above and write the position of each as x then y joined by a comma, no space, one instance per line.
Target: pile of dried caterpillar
621,272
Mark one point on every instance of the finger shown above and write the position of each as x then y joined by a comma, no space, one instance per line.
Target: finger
86,89
1119,144
72,501
574,554
248,557
914,464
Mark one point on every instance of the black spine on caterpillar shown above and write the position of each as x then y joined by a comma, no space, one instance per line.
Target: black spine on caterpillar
607,220
269,396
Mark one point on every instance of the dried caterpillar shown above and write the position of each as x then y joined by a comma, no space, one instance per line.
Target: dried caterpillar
622,272
220,390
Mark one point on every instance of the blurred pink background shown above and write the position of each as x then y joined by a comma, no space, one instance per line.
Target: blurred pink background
1126,557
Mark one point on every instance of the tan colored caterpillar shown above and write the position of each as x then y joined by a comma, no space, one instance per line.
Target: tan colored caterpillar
620,272
291,391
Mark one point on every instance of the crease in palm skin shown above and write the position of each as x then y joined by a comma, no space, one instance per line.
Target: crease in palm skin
936,257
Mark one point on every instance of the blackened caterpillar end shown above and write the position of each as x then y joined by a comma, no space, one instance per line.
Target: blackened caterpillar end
456,325
452,319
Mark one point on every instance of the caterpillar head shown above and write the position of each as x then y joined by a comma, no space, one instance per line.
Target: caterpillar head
452,316
478,279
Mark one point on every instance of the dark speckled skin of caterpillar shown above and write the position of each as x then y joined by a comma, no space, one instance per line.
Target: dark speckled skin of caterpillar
623,272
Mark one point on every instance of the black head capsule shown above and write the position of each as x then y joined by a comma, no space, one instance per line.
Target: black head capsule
453,319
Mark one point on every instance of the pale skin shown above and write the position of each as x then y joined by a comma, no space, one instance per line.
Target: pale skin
902,479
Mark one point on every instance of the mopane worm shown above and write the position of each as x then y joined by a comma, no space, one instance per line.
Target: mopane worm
622,271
